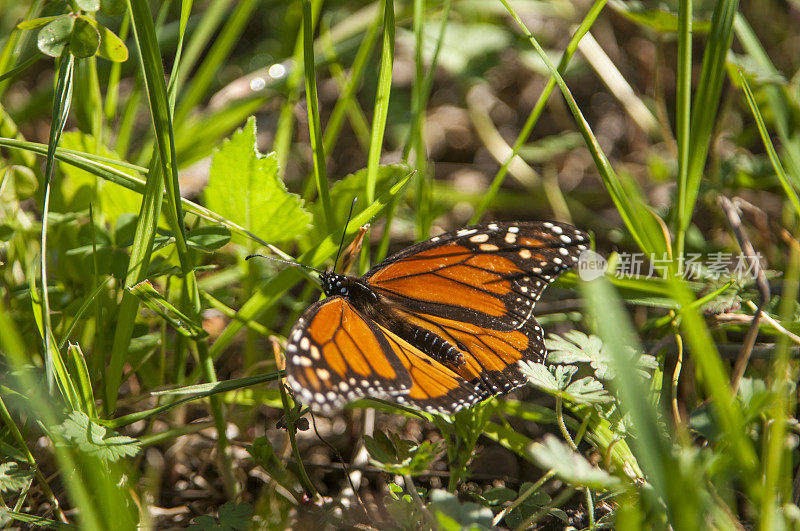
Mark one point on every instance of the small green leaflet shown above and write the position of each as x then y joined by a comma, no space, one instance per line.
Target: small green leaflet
12,478
232,517
577,347
569,465
401,456
156,302
453,515
107,445
557,380
244,187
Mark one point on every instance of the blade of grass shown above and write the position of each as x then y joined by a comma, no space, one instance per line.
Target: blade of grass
791,193
380,113
706,103
645,230
683,109
652,448
87,162
207,26
780,101
381,109
536,113
285,127
195,392
715,379
419,104
777,456
314,123
61,104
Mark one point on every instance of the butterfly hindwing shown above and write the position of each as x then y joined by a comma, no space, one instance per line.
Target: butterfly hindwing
434,387
335,354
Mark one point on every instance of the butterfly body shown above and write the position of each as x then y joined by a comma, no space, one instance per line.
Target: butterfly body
440,325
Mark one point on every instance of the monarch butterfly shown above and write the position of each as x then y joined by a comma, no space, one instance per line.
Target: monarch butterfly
440,325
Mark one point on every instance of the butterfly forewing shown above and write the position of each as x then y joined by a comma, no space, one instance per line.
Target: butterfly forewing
472,290
477,287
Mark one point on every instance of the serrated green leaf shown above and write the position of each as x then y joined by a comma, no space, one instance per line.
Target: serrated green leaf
12,478
577,347
80,188
88,5
569,465
235,516
95,440
156,302
85,38
54,36
244,187
587,390
552,379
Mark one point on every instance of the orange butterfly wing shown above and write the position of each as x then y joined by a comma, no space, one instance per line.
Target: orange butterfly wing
476,288
335,354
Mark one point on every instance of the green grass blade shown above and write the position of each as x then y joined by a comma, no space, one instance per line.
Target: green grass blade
715,379
538,109
180,322
172,86
201,36
777,460
779,100
788,189
381,109
614,328
196,392
642,225
314,123
83,383
137,268
61,105
683,107
161,116
706,103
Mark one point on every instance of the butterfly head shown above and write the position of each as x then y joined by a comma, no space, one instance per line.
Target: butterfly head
333,284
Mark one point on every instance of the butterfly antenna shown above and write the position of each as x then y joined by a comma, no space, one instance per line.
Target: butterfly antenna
344,232
296,264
